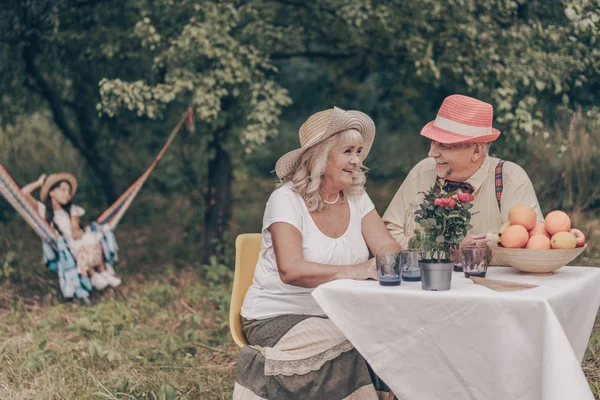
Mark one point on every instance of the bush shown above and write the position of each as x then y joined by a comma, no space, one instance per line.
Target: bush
565,164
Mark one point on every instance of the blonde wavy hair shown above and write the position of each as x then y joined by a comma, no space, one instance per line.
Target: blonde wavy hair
311,168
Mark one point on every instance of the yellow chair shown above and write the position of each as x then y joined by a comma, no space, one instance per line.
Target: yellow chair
247,249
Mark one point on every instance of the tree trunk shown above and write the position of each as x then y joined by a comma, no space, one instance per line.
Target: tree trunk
89,132
217,200
102,171
59,114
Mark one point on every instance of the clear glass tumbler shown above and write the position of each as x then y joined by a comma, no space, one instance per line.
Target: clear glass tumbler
409,265
388,269
475,260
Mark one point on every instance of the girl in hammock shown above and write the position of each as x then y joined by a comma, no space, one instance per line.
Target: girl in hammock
55,206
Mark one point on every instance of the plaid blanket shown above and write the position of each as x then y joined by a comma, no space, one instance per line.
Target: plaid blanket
61,261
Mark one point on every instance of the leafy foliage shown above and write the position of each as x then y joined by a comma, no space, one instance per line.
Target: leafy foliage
564,164
98,68
207,64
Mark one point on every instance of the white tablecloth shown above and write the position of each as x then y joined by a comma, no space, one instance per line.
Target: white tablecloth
471,342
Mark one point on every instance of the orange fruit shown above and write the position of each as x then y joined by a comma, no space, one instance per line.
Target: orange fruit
564,240
522,215
539,229
557,221
539,242
503,227
515,236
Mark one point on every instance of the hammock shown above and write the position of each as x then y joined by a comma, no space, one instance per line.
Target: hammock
12,193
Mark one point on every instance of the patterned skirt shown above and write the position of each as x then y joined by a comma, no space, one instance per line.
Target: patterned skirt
302,357
87,251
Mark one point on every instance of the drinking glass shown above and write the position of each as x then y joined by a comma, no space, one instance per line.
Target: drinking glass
388,269
456,258
409,265
475,260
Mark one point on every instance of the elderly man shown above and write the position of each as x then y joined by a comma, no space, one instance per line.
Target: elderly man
460,140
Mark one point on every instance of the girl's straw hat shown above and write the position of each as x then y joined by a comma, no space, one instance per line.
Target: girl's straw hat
52,179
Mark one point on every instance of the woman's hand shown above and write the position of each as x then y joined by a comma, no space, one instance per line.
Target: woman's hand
368,269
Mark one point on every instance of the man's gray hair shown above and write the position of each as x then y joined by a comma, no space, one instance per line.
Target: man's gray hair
486,148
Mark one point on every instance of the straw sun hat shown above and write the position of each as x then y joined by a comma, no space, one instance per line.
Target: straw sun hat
462,119
52,179
321,126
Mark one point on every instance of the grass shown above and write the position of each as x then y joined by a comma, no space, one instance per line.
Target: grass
591,361
164,340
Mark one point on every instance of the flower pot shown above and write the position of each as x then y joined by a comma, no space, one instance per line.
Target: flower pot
436,276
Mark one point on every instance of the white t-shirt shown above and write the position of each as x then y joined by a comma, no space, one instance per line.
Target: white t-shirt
268,296
63,221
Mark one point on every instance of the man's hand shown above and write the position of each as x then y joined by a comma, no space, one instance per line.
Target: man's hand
479,240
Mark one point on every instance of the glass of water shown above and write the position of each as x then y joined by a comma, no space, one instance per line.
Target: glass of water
409,265
388,269
475,260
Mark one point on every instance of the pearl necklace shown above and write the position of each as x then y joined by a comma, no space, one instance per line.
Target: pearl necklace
332,202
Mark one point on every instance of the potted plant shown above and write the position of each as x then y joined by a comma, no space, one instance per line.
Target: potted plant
444,219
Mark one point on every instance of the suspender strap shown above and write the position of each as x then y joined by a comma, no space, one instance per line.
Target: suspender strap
499,184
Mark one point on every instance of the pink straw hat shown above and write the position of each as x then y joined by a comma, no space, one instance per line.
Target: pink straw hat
462,119
321,126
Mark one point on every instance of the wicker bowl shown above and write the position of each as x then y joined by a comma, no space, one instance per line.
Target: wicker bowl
534,261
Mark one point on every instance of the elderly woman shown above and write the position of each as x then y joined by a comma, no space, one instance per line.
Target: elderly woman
319,225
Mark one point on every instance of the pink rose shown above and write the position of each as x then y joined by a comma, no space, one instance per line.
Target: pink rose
445,202
465,197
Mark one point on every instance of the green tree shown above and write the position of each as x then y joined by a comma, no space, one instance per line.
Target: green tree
53,55
394,59
401,57
201,58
